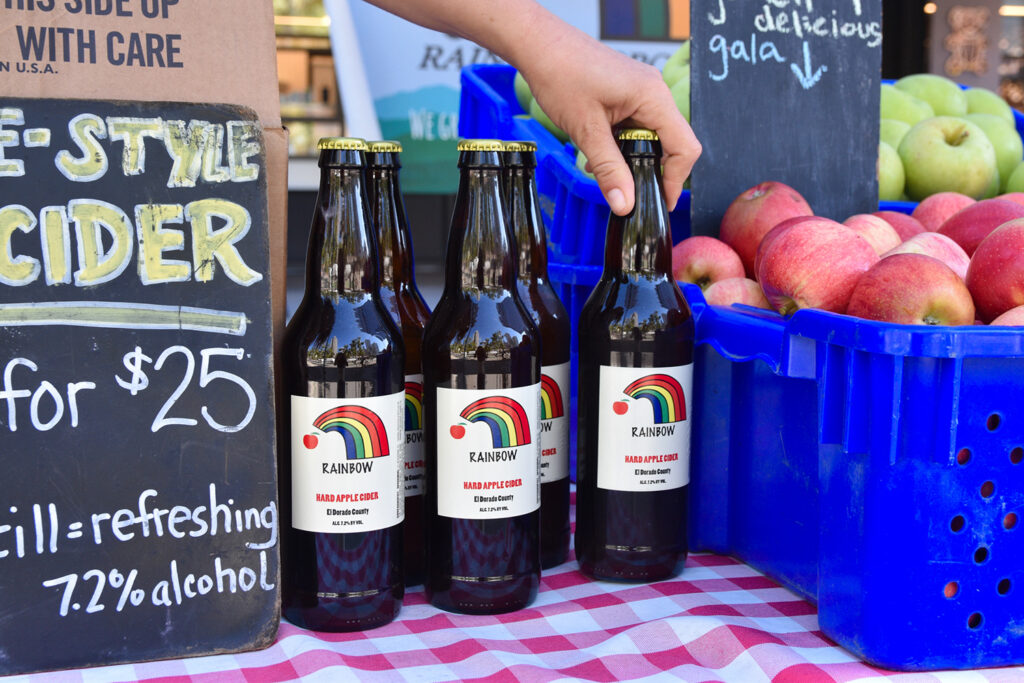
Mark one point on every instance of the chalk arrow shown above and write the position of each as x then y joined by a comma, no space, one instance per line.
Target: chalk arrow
806,77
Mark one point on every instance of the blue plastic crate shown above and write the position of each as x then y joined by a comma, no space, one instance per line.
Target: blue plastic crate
872,468
575,212
869,467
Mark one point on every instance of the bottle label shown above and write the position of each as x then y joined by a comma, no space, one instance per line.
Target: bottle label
488,452
347,463
554,422
414,468
643,436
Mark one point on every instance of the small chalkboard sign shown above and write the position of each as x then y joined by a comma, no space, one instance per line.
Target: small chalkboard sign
137,492
785,90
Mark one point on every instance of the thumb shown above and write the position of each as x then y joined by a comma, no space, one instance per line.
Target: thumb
609,168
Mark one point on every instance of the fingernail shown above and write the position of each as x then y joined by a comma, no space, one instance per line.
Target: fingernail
672,204
617,200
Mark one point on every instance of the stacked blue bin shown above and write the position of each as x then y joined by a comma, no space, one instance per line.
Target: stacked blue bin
875,469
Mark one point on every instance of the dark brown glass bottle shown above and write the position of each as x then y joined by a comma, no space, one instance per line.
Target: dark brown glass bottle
635,386
552,322
344,378
404,302
481,380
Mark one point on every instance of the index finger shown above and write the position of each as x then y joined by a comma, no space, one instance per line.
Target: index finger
680,147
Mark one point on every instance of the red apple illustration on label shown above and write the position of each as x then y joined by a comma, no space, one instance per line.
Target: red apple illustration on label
620,407
310,441
458,431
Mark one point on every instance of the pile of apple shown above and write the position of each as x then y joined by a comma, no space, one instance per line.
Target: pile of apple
936,137
954,261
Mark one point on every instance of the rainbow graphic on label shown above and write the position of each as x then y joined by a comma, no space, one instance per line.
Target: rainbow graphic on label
363,431
665,394
413,406
506,418
550,399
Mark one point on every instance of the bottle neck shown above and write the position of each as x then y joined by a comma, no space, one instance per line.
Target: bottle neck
389,217
480,254
343,253
527,224
641,242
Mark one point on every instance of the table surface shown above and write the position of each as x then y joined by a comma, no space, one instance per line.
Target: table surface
720,620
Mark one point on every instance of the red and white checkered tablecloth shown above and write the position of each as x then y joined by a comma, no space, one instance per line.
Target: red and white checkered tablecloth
719,621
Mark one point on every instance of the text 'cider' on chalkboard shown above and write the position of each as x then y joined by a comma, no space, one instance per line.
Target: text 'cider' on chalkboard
138,514
785,90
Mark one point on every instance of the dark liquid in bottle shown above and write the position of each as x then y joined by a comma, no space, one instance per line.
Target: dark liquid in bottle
404,302
480,338
636,317
552,321
340,344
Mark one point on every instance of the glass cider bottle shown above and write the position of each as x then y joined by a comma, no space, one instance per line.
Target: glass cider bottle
406,305
482,383
342,364
635,388
552,322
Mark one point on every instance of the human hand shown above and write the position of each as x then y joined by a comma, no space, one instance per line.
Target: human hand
587,88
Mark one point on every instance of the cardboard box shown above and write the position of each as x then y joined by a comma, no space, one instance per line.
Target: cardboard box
142,294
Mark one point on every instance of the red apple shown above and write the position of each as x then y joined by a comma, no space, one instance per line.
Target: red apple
970,225
310,441
457,431
912,289
996,274
904,225
934,210
937,246
1013,317
1013,197
703,260
770,235
814,264
620,407
877,231
756,211
736,290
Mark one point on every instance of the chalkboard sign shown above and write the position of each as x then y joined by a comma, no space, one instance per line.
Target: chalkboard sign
785,90
137,490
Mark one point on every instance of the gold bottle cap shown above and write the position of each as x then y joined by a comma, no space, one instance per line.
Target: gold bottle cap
520,146
636,134
475,145
385,146
354,144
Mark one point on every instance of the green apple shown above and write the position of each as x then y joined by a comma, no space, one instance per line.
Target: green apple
902,106
891,178
677,66
944,96
947,154
984,101
681,94
538,113
1015,183
891,132
523,93
684,51
1005,140
993,187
